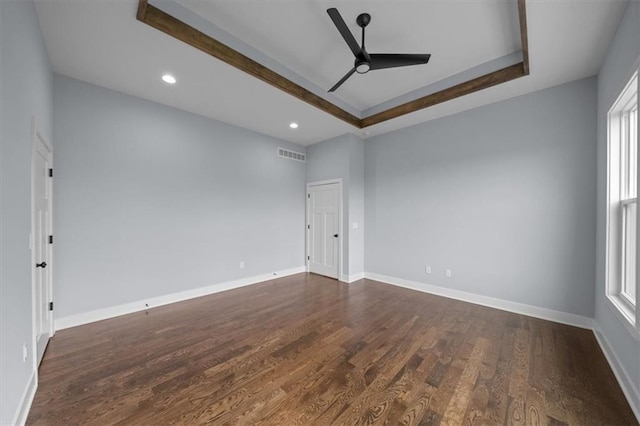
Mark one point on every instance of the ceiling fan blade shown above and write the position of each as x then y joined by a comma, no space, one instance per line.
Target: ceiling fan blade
344,30
391,60
342,80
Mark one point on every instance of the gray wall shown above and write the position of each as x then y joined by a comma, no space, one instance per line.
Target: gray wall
356,205
150,200
613,75
26,92
343,157
503,195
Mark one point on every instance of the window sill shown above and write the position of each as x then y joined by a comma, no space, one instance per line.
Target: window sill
626,315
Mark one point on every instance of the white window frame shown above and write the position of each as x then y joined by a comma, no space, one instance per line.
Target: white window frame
618,201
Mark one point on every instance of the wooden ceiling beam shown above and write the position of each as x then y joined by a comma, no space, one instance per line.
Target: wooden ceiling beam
172,26
177,29
524,38
462,89
480,83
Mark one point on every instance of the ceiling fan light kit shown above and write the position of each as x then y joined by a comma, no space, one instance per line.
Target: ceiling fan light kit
364,61
363,67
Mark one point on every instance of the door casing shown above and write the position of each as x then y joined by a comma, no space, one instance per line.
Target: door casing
340,222
38,137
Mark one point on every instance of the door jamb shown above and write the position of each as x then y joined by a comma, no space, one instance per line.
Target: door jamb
340,219
36,134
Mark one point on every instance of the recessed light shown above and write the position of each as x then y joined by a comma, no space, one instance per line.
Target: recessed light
168,78
293,125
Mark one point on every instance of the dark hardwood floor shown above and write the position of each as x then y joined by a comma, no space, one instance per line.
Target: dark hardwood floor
308,350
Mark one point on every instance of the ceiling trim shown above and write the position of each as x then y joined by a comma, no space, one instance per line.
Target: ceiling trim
179,30
166,23
497,77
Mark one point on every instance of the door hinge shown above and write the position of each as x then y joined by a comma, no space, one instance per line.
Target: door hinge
50,239
308,258
308,226
51,306
50,172
308,195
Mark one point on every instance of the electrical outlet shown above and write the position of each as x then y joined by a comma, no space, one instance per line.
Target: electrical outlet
355,225
242,265
448,273
427,269
25,352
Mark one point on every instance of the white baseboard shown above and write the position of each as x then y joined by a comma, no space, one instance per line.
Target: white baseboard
505,305
628,387
626,384
356,277
141,305
351,278
20,418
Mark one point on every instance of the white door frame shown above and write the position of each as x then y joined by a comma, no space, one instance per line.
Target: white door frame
340,228
38,136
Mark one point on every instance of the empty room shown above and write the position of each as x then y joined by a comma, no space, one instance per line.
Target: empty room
319,212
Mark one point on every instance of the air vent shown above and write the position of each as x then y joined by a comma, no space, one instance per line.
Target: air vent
291,155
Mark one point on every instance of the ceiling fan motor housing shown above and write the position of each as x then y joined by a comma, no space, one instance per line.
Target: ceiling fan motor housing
363,19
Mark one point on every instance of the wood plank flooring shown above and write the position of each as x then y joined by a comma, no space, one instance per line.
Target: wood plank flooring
309,350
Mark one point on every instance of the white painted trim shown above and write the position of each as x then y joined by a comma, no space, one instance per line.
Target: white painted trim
340,225
324,182
351,278
626,322
626,312
20,418
38,137
505,305
34,342
141,305
356,277
628,387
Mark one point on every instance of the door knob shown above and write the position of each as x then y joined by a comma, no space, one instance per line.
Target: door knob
41,265
335,235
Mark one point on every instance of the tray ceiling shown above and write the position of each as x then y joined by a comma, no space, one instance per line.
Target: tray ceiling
300,36
101,42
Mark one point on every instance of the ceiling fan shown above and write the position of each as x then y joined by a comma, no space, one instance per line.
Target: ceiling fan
366,61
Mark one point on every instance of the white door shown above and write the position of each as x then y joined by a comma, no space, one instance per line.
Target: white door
323,227
41,232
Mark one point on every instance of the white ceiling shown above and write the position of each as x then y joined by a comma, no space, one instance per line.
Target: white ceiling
102,42
301,35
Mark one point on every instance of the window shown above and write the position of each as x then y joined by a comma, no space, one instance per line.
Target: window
622,153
